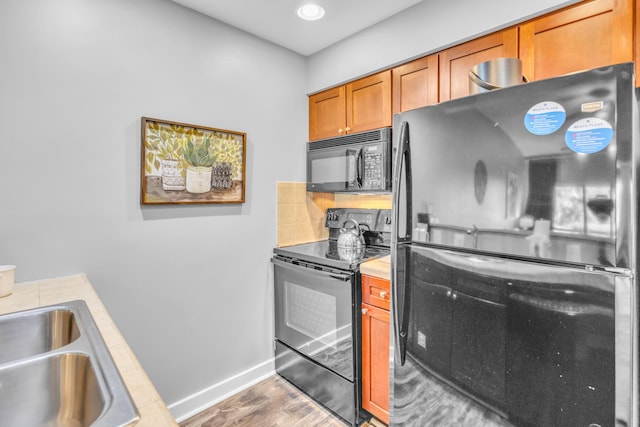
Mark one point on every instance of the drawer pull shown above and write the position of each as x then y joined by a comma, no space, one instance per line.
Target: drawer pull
383,294
364,311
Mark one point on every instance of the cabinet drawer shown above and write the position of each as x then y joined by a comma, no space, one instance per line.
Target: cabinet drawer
375,291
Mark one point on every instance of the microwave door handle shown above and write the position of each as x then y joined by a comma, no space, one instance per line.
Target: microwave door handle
403,158
360,161
352,168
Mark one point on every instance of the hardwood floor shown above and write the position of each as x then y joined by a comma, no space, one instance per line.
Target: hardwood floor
271,403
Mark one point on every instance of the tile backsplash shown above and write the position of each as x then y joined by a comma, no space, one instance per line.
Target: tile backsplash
301,213
364,201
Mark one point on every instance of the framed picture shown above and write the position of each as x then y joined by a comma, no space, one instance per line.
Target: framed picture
186,164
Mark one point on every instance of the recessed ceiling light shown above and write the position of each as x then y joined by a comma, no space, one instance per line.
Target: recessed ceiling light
310,12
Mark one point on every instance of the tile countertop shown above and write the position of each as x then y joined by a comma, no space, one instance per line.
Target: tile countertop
153,412
379,267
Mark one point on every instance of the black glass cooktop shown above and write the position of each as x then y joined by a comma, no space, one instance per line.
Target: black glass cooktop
327,253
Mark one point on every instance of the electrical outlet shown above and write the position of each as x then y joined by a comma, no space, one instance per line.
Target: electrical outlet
422,340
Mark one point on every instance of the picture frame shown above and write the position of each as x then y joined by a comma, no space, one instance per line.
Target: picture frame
191,164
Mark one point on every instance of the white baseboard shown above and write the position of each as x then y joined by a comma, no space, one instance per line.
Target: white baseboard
198,402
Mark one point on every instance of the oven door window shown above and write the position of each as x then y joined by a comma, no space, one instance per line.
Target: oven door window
314,315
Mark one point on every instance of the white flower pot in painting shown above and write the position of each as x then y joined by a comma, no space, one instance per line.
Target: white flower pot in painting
198,179
172,178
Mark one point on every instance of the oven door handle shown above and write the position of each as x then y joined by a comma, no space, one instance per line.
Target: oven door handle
344,277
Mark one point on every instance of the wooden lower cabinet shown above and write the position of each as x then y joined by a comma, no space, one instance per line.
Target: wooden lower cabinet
375,361
375,347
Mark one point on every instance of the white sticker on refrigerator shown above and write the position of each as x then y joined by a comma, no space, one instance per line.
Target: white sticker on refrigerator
589,136
545,118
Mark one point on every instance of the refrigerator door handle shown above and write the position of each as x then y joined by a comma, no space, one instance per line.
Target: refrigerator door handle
403,158
626,327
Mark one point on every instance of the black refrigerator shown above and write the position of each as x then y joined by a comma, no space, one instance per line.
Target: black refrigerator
514,256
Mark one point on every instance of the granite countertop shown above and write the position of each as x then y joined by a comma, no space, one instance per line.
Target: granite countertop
153,412
379,267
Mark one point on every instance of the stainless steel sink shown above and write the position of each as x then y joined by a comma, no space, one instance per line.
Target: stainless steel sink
60,390
33,332
56,371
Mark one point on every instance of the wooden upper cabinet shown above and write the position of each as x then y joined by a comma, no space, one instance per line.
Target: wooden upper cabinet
369,102
415,84
327,113
363,104
588,35
456,62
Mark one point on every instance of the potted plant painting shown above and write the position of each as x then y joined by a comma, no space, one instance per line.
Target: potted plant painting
200,161
184,163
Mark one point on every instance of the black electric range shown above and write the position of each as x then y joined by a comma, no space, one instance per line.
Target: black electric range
327,253
317,311
377,226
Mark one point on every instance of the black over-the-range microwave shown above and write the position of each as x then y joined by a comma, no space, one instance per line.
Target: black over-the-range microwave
358,163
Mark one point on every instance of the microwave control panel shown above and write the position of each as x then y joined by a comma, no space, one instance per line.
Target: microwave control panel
373,168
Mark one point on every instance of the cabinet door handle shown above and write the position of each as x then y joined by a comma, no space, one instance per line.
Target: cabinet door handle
365,310
448,293
348,129
455,296
383,294
340,131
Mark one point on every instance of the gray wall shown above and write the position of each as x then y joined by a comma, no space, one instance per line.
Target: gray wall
427,27
188,286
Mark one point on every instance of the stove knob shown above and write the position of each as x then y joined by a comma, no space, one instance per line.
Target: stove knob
387,220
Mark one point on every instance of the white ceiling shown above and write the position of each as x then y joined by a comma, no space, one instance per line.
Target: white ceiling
276,20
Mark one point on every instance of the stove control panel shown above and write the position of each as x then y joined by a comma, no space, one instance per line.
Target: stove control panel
376,219
332,216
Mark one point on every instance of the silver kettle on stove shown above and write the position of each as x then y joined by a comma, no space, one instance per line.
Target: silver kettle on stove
351,244
351,238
